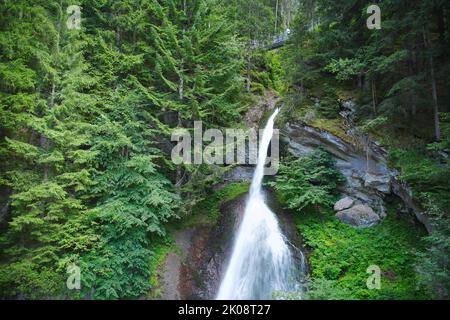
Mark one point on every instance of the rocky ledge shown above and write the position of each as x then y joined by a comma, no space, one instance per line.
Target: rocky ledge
367,175
364,165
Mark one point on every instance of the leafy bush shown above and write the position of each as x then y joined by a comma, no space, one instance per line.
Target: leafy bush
345,69
308,181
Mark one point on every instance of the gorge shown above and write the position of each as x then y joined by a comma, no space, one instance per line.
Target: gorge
95,176
225,258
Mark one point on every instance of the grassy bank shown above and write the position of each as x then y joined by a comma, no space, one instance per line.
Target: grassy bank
340,255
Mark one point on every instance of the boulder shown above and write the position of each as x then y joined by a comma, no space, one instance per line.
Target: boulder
343,204
360,215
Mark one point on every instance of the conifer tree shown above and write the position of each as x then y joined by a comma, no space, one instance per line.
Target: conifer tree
47,133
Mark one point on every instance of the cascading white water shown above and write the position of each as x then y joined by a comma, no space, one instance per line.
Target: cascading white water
261,261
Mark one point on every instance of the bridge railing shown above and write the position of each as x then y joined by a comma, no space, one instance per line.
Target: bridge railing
279,39
275,42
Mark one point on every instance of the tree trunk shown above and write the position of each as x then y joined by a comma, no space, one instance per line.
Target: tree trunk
437,129
43,140
180,87
374,95
288,13
413,96
249,67
276,17
302,89
179,173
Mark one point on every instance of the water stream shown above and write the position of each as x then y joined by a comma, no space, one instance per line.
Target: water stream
261,262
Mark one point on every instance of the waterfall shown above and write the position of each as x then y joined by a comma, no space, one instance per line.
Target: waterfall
261,261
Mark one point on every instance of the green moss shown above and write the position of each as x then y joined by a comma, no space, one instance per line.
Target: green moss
160,249
207,211
342,254
345,93
308,114
334,126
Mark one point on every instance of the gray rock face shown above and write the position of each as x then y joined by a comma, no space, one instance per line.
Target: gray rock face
378,182
343,204
362,161
404,192
360,215
239,174
367,176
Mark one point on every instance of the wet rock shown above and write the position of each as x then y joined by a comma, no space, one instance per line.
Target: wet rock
205,253
343,204
172,283
360,215
381,183
299,149
404,192
349,105
266,103
239,174
380,209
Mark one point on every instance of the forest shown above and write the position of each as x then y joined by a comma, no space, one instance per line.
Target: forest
91,92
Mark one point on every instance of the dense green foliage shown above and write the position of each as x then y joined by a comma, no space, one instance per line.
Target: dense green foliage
398,77
86,117
430,182
341,255
309,181
206,212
